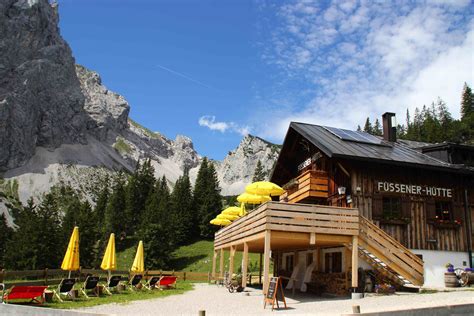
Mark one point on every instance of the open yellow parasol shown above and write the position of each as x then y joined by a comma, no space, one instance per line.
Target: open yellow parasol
71,259
232,210
220,222
109,260
264,188
253,198
228,217
138,265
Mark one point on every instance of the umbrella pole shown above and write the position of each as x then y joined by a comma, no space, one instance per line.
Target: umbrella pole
110,273
69,275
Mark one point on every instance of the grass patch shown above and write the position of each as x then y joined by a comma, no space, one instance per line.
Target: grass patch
195,257
122,147
123,297
428,291
147,131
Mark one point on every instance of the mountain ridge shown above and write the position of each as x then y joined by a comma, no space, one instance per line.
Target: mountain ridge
60,124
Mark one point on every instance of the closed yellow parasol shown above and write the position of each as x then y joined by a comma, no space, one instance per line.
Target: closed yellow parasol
253,198
71,259
109,260
264,188
138,265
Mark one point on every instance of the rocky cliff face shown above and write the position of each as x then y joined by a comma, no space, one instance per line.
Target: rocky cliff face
41,103
237,168
59,123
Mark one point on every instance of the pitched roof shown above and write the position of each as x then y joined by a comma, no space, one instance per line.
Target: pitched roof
386,152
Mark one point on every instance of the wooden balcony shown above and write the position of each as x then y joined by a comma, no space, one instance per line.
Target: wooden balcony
289,218
310,186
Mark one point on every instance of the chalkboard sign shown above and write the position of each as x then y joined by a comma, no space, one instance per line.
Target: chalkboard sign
274,288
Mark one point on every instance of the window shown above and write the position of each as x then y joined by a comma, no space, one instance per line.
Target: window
289,263
333,262
444,211
391,207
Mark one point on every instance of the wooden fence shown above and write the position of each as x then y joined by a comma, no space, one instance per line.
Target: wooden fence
54,276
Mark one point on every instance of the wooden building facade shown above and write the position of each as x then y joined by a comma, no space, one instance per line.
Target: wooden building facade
352,195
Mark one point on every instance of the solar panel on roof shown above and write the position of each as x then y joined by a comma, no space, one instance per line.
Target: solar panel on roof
355,136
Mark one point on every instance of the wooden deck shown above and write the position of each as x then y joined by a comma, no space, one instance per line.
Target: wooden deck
310,185
284,227
287,217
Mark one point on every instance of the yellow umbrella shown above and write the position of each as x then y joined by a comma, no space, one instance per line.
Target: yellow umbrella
109,261
226,216
71,259
232,210
242,211
253,198
221,222
264,188
138,265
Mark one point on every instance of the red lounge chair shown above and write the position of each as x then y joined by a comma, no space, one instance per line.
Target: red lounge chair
167,281
25,292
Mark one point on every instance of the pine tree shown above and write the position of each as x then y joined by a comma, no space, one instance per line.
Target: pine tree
359,129
115,220
467,102
207,198
183,213
377,129
159,229
48,254
88,235
259,173
139,187
5,235
368,126
21,248
101,205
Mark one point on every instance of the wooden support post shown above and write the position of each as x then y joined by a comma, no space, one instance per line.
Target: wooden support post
355,261
231,261
221,264
214,258
260,270
347,266
266,261
245,261
320,259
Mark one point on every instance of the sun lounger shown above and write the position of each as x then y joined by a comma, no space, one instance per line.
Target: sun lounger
25,292
167,282
151,283
64,288
90,284
134,281
112,283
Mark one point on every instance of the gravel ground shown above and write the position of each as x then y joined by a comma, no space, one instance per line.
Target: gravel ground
218,301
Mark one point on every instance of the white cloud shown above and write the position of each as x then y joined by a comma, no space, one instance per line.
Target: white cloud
210,122
362,59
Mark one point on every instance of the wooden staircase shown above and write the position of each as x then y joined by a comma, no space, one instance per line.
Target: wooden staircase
388,256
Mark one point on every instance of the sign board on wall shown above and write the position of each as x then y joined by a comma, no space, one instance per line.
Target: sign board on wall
383,186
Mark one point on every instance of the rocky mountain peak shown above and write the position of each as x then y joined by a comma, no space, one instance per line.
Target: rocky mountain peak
107,109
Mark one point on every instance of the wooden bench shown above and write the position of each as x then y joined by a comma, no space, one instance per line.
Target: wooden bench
25,292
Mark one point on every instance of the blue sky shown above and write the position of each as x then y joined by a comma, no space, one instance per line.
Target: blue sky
216,70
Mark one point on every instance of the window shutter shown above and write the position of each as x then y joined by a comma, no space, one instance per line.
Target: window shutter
377,209
430,209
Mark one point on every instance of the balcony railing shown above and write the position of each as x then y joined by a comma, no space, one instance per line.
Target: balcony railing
287,217
310,185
